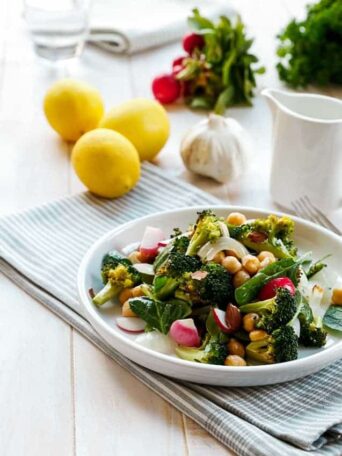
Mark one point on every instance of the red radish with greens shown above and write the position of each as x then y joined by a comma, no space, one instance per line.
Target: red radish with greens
269,290
166,88
192,41
184,332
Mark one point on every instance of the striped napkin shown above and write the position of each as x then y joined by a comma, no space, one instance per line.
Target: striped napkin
40,250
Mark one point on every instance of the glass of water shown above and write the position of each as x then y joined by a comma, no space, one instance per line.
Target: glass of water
58,27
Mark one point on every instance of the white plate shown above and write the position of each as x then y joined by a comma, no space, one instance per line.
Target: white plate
308,237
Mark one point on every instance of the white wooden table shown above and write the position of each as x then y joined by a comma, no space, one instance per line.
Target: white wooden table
58,394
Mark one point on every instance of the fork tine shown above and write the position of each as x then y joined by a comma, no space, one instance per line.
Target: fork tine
310,210
301,209
325,221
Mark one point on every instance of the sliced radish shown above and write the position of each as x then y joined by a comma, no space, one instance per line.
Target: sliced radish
220,320
150,241
184,332
131,324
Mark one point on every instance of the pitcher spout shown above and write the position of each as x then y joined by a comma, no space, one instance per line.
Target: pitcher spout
271,98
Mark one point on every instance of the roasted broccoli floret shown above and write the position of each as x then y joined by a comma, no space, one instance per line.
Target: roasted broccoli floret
274,234
178,244
171,273
212,284
278,347
212,351
117,273
312,333
273,312
206,229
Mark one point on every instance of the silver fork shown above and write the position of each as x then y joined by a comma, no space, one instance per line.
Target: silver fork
306,209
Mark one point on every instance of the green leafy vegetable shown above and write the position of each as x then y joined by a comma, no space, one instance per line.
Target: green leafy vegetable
158,314
310,51
316,267
221,74
333,318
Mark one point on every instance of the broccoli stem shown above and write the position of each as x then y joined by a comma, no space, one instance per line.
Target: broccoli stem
108,292
196,243
279,251
256,306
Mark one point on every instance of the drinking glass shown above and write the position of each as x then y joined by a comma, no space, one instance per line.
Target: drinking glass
58,27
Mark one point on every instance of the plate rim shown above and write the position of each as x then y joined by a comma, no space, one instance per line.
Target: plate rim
326,356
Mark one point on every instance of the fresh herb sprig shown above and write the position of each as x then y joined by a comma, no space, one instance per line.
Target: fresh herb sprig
222,73
310,51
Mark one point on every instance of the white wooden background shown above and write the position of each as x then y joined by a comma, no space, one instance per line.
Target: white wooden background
58,394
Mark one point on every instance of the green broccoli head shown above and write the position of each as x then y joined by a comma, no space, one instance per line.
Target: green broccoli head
274,234
178,244
212,351
171,272
110,261
117,273
278,347
273,312
206,229
212,284
312,334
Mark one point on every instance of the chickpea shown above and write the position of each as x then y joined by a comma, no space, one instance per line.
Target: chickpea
232,253
265,262
232,264
126,310
135,257
257,334
249,321
125,295
265,254
234,360
337,296
137,292
236,348
251,264
240,278
218,258
236,218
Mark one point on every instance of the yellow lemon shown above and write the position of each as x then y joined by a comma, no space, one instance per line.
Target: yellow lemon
106,162
144,122
72,108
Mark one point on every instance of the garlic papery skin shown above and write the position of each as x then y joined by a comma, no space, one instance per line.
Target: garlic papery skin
216,147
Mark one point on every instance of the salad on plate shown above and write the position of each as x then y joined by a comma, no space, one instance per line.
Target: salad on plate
227,291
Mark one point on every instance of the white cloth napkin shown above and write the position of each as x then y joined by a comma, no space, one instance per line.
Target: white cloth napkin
131,26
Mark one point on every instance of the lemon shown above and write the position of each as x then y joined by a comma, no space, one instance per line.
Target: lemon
106,162
144,122
72,108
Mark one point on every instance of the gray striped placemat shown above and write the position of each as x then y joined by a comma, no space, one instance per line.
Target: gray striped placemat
41,249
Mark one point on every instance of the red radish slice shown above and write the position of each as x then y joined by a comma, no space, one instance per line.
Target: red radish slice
184,332
150,242
131,324
220,320
269,290
164,243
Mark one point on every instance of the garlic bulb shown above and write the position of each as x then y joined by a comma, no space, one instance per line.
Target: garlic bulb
216,147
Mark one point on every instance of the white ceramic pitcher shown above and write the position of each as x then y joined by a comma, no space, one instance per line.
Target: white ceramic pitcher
307,148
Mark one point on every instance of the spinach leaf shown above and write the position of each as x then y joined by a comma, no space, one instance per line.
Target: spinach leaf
159,314
286,267
333,318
